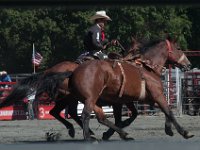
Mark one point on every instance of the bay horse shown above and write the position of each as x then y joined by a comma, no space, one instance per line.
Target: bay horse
29,84
123,82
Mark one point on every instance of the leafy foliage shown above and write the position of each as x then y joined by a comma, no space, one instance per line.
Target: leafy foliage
58,32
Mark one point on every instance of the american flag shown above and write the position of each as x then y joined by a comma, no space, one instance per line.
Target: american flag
36,57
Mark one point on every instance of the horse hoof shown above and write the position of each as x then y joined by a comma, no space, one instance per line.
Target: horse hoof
105,136
187,135
124,136
71,132
128,139
169,132
92,139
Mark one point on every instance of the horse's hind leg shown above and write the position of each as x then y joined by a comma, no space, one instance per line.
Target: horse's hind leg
55,112
103,120
133,116
88,107
117,111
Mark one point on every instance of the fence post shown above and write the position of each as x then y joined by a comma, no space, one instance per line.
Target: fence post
178,93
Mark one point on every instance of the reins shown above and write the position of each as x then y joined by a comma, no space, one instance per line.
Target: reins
120,45
117,44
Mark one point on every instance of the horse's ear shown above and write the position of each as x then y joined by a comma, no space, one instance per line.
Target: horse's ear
168,36
133,40
172,38
134,43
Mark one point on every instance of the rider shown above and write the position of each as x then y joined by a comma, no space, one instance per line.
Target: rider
95,41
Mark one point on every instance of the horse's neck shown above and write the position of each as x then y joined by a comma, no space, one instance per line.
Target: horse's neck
157,57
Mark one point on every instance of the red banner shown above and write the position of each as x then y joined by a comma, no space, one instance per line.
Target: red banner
12,113
43,112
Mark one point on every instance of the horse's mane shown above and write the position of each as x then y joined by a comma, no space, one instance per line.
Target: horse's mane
145,45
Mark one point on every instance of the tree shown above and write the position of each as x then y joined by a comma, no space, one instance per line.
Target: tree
194,39
58,32
150,23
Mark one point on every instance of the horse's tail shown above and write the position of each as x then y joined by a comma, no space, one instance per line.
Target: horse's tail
51,82
22,89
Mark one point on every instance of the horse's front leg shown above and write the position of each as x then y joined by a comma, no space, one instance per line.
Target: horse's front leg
87,110
168,126
168,123
72,111
55,112
160,99
103,120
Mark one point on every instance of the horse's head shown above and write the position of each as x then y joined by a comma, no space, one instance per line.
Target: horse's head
177,56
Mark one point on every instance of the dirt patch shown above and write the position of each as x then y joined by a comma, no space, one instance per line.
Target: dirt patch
144,128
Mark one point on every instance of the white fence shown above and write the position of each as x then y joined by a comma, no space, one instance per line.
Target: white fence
107,109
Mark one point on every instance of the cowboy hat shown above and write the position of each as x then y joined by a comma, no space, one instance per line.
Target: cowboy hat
99,15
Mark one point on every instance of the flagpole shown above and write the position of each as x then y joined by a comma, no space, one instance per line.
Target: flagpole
33,58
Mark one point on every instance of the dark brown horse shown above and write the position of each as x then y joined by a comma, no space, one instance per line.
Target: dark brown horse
22,89
123,82
61,104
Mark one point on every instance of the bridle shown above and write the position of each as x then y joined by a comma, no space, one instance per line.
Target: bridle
170,51
170,57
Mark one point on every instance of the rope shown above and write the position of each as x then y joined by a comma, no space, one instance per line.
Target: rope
123,80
